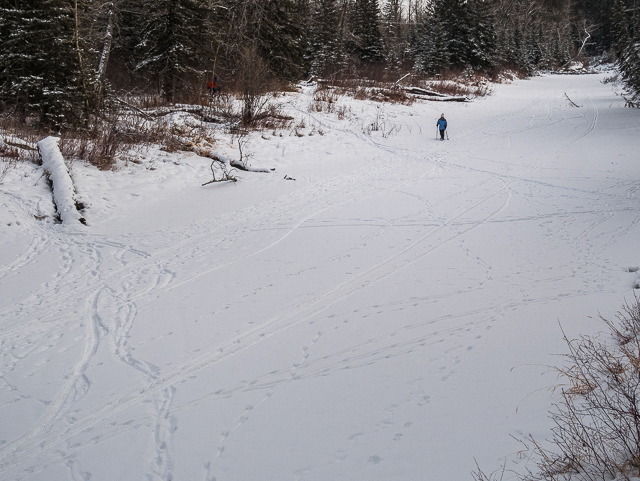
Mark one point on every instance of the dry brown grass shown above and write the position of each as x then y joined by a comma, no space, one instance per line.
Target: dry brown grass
472,87
327,93
596,432
324,100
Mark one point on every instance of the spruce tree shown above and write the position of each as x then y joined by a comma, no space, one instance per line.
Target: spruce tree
393,41
626,42
519,55
431,55
44,67
533,51
483,45
452,15
325,43
280,37
271,29
172,49
620,29
365,28
560,48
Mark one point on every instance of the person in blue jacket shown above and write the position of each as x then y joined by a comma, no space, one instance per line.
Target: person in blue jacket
442,126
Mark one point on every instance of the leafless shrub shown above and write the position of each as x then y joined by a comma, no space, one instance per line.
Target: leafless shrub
125,126
324,100
596,433
141,131
480,475
242,140
342,112
389,94
9,152
394,96
253,84
361,94
220,172
458,88
223,106
271,118
361,89
612,79
98,146
6,164
18,140
148,101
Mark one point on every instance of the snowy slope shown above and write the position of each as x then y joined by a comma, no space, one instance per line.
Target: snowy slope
387,315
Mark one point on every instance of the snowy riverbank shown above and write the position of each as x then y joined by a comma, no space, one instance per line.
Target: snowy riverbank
382,317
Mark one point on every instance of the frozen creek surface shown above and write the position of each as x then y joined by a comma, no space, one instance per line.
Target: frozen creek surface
385,316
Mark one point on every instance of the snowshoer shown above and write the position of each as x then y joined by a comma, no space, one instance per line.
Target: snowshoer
442,126
213,87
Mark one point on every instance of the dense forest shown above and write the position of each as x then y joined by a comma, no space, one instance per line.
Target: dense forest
62,61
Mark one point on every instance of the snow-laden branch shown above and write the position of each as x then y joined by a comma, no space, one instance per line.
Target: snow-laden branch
64,194
435,96
239,164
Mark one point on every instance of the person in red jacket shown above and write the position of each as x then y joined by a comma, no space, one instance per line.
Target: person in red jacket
214,88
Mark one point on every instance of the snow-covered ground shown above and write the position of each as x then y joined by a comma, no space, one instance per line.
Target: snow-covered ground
388,315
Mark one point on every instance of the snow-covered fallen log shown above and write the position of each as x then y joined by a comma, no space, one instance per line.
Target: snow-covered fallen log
242,166
20,144
64,194
447,99
434,96
421,91
238,164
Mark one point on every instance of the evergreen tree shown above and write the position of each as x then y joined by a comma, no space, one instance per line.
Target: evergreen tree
173,41
519,55
560,47
456,19
280,37
626,42
43,64
325,43
272,29
393,41
629,67
483,45
431,55
620,29
534,54
366,32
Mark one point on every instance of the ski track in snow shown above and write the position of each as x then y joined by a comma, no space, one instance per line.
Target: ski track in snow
77,384
101,282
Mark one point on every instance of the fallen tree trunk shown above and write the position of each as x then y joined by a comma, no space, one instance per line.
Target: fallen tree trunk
421,91
242,166
434,96
448,99
238,164
64,194
20,145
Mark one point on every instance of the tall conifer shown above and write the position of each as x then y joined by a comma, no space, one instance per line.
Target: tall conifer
366,31
44,69
325,42
172,45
